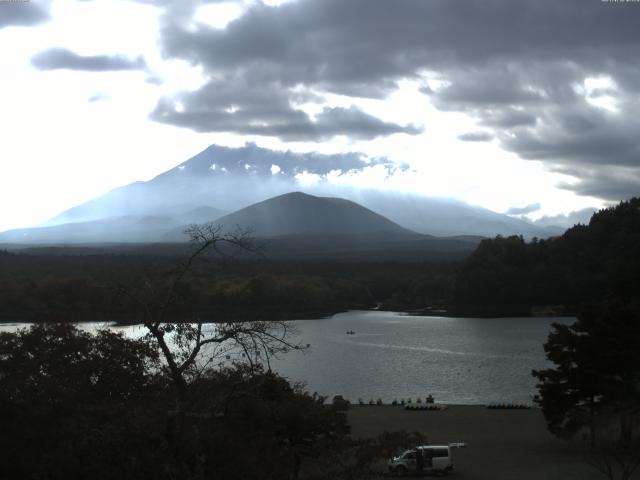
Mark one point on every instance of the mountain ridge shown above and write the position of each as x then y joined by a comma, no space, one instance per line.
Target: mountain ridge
301,213
234,178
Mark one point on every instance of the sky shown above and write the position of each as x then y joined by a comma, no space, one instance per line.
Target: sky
529,108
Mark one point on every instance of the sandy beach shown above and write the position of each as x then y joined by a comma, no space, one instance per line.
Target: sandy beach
502,444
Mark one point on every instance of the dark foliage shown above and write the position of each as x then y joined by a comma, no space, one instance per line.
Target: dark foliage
586,264
46,287
75,405
596,369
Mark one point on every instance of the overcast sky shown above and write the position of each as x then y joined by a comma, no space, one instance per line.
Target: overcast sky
524,107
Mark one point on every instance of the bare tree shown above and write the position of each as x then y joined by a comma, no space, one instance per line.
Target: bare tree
615,452
187,346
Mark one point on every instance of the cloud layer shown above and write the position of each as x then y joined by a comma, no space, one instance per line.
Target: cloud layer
21,14
523,210
551,81
61,58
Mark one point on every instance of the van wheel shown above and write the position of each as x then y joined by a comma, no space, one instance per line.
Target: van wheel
401,471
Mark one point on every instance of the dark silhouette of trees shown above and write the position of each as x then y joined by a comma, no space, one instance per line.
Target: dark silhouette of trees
97,406
588,263
616,450
75,405
167,308
594,387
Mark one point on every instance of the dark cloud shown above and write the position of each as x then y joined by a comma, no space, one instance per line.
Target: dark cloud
476,137
534,207
610,183
497,86
242,107
342,44
21,14
509,118
517,66
61,58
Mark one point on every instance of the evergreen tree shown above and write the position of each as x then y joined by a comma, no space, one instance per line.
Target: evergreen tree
596,370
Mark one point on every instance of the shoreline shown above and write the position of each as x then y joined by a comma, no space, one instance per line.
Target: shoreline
244,316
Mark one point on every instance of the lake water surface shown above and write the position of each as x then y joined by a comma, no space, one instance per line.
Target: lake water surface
397,356
392,355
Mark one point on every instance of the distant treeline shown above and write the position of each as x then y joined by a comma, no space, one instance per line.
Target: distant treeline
504,276
586,264
68,287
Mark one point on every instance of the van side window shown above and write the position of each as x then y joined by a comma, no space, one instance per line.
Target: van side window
440,452
410,455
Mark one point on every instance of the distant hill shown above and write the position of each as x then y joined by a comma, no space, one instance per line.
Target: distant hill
201,214
298,213
586,264
233,178
295,225
446,217
298,225
124,229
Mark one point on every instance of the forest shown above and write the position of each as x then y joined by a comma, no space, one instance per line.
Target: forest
588,263
70,287
504,276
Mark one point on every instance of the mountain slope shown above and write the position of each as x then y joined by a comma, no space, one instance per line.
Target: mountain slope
302,226
298,213
232,178
124,229
445,217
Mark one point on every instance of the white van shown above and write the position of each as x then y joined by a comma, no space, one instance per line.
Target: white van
436,459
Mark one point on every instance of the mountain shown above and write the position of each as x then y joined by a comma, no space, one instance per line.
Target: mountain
295,226
445,217
233,178
123,229
298,213
225,177
299,225
202,214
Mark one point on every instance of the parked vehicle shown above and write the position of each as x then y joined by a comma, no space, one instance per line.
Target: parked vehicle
435,459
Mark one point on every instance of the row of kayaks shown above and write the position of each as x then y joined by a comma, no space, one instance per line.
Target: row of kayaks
428,407
508,406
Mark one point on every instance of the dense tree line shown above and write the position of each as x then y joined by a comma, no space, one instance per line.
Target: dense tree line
587,263
49,287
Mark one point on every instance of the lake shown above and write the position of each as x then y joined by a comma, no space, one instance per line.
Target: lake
396,356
